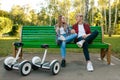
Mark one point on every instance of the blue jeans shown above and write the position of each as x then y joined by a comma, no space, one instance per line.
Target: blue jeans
63,43
88,40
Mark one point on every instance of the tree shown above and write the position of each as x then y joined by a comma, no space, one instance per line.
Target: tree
26,17
91,15
17,14
4,14
97,17
78,6
103,7
33,17
86,10
43,17
14,31
51,9
109,29
5,25
116,11
57,7
92,11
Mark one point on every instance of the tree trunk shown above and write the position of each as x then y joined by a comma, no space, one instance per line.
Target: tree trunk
92,16
115,17
86,10
50,19
109,30
105,21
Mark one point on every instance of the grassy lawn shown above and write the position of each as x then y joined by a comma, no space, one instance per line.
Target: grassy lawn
115,41
6,47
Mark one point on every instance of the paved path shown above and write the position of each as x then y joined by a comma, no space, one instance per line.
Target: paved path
75,70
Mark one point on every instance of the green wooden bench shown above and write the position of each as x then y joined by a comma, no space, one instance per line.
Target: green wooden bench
34,36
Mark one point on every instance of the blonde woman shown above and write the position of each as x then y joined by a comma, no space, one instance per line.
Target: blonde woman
63,35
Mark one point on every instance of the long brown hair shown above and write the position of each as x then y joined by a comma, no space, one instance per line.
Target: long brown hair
60,23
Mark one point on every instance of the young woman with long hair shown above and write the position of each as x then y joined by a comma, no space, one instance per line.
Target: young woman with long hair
63,35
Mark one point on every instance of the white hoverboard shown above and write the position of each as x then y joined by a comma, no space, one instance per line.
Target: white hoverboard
10,63
37,62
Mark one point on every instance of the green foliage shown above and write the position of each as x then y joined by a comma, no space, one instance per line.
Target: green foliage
95,17
43,17
117,29
4,14
17,14
33,17
48,15
14,31
98,19
72,18
5,25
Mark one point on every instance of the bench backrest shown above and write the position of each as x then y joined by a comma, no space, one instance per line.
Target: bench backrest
99,38
34,36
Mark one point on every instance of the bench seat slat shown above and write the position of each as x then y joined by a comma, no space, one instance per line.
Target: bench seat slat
34,36
53,45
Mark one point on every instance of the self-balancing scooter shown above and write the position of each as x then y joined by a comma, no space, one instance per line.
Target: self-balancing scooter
53,66
10,63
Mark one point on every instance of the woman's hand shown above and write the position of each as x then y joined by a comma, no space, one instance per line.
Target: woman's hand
72,31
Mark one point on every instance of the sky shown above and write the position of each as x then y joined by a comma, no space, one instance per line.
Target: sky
35,4
7,4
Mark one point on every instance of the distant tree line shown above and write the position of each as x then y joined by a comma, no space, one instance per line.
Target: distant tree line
11,22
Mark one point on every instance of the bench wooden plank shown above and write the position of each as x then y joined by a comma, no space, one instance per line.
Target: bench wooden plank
40,35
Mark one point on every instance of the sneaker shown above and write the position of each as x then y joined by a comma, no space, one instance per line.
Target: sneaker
90,66
62,38
63,63
80,43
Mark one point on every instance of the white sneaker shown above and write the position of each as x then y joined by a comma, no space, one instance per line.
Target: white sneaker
62,38
80,43
90,66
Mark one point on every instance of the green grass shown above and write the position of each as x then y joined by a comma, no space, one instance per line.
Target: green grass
115,42
6,47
